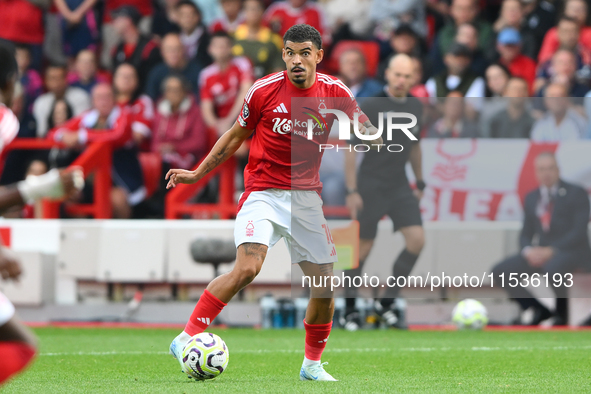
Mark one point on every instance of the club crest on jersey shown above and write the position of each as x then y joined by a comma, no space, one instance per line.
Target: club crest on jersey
281,126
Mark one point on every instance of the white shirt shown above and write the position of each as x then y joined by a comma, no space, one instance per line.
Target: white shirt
572,127
77,98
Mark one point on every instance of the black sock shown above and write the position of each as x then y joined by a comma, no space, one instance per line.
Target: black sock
402,267
351,291
562,308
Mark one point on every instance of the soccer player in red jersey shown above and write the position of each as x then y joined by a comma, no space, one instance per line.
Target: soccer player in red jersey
17,343
281,198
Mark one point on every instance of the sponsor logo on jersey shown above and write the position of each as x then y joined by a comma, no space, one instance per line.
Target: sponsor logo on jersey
282,125
245,111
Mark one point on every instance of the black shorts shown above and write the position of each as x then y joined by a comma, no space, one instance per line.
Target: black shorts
401,205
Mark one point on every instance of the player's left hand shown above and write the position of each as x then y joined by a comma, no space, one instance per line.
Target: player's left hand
10,267
176,176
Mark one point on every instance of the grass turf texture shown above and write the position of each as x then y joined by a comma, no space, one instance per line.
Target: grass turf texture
117,360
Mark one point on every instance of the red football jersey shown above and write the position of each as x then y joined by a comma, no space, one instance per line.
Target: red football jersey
9,126
281,156
222,86
280,16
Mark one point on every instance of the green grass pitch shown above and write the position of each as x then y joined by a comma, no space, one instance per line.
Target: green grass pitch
128,360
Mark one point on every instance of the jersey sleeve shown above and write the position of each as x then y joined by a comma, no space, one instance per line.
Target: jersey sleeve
9,126
250,113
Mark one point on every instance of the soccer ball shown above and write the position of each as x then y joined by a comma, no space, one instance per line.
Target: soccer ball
470,314
205,356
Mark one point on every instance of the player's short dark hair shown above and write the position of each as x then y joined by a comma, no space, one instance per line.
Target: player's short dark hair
8,66
303,33
191,4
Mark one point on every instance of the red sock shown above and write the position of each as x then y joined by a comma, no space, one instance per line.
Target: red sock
316,337
14,357
207,308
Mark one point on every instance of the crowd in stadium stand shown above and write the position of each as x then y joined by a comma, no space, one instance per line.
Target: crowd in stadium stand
179,70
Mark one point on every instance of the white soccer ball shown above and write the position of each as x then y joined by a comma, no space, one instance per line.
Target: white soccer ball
470,314
205,356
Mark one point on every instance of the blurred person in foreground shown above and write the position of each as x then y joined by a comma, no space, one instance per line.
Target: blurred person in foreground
553,240
381,187
18,345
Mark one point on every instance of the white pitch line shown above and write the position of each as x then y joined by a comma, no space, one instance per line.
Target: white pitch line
337,350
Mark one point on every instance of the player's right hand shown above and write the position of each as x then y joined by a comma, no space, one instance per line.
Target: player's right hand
176,176
354,204
10,268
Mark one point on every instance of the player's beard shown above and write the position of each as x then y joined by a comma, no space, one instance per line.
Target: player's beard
298,78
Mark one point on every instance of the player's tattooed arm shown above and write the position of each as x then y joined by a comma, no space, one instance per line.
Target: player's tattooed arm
225,147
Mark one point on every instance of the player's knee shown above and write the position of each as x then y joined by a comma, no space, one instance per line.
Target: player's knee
415,241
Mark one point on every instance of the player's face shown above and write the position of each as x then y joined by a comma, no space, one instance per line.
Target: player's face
300,60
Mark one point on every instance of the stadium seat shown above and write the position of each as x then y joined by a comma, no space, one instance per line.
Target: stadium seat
152,169
370,49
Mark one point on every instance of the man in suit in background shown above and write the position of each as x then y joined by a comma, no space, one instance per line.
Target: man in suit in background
553,240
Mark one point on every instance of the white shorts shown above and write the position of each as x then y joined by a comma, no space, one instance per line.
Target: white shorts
6,309
296,215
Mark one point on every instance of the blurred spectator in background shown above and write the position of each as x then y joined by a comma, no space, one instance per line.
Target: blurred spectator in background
561,122
257,42
230,19
465,11
165,18
457,76
348,19
568,37
110,123
388,15
133,47
515,120
403,40
180,134
57,87
58,158
563,71
467,34
282,15
553,240
22,23
139,106
194,34
111,36
497,77
175,60
32,86
353,72
453,123
511,16
211,10
509,46
85,73
60,114
576,11
418,89
223,84
79,26
539,16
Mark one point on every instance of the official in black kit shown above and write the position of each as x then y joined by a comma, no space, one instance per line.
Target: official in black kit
380,187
